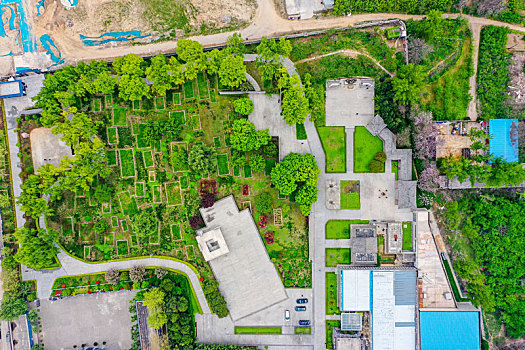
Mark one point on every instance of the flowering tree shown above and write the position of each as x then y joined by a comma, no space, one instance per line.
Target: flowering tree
425,135
428,179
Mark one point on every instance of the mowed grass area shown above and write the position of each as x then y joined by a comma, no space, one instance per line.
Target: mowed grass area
407,235
258,330
222,163
365,148
331,294
119,116
337,256
350,195
340,229
333,139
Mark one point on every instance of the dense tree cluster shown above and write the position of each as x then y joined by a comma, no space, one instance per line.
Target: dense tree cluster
36,247
493,264
297,174
344,7
244,137
202,159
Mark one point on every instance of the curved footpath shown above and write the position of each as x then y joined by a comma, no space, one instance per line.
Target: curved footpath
71,266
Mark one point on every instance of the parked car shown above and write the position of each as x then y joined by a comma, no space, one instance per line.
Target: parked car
302,301
300,308
304,322
287,315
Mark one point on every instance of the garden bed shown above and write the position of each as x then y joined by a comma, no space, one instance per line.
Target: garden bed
333,139
350,195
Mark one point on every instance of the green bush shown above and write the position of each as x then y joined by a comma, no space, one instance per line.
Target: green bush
376,166
380,157
243,106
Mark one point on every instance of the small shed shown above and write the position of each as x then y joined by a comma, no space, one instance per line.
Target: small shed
14,88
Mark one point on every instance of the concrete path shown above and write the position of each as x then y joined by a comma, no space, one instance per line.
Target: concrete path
71,266
252,81
472,111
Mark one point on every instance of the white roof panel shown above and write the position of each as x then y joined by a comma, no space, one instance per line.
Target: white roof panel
355,286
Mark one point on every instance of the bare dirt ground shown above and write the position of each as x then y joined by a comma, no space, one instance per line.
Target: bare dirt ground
516,87
516,42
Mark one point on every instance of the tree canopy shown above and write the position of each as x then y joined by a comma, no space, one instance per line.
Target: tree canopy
408,84
243,106
202,159
294,108
232,71
244,137
36,247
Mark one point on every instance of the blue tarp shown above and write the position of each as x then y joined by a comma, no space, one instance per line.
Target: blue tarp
28,39
449,330
504,139
112,36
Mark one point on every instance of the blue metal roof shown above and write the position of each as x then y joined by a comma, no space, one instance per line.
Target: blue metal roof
504,139
449,330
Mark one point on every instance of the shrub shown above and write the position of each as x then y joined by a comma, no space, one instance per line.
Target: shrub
264,203
257,162
124,276
243,106
380,156
144,285
375,166
270,150
101,226
31,297
160,273
196,222
136,285
207,200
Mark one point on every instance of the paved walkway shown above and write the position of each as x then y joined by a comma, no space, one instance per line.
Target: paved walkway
71,266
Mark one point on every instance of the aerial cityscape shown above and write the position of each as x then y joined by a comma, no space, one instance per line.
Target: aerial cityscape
262,174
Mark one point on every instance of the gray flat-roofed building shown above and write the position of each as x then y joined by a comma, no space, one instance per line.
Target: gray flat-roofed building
394,238
363,240
349,102
246,275
351,321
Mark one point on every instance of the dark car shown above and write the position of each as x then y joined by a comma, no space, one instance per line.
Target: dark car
302,301
300,308
304,322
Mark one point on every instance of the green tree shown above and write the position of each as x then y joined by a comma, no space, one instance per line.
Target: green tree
213,60
101,226
179,159
145,224
257,162
133,88
5,201
131,64
294,107
264,203
154,301
238,158
232,72
189,50
36,247
235,45
408,84
243,106
202,159
12,307
158,73
244,137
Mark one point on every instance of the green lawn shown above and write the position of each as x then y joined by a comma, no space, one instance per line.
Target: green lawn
112,157
350,195
365,148
303,330
452,281
340,229
333,139
175,232
217,142
188,90
300,132
112,136
407,235
337,256
395,168
331,294
330,324
159,103
127,163
222,162
122,247
202,83
97,105
173,193
258,330
270,164
176,98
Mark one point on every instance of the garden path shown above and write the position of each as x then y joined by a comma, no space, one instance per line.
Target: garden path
71,266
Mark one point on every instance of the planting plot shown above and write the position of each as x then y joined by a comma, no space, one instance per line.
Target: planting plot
340,229
176,98
365,148
159,103
188,90
333,139
112,157
109,239
148,159
395,169
157,194
190,252
184,182
337,256
67,227
300,132
87,251
350,195
236,171
122,248
247,171
124,225
258,330
173,194
196,122
180,150
114,221
222,163
136,105
109,101
112,136
151,176
97,104
141,140
87,234
134,241
331,294
128,204
303,330
175,232
330,325
270,164
127,162
119,116
179,116
202,82
407,235
125,137
217,141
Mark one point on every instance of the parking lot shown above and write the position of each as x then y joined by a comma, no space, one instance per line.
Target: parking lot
274,315
86,319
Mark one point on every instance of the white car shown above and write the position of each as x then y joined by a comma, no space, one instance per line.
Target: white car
287,315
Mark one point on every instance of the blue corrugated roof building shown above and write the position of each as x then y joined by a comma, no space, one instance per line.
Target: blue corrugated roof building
449,330
504,139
